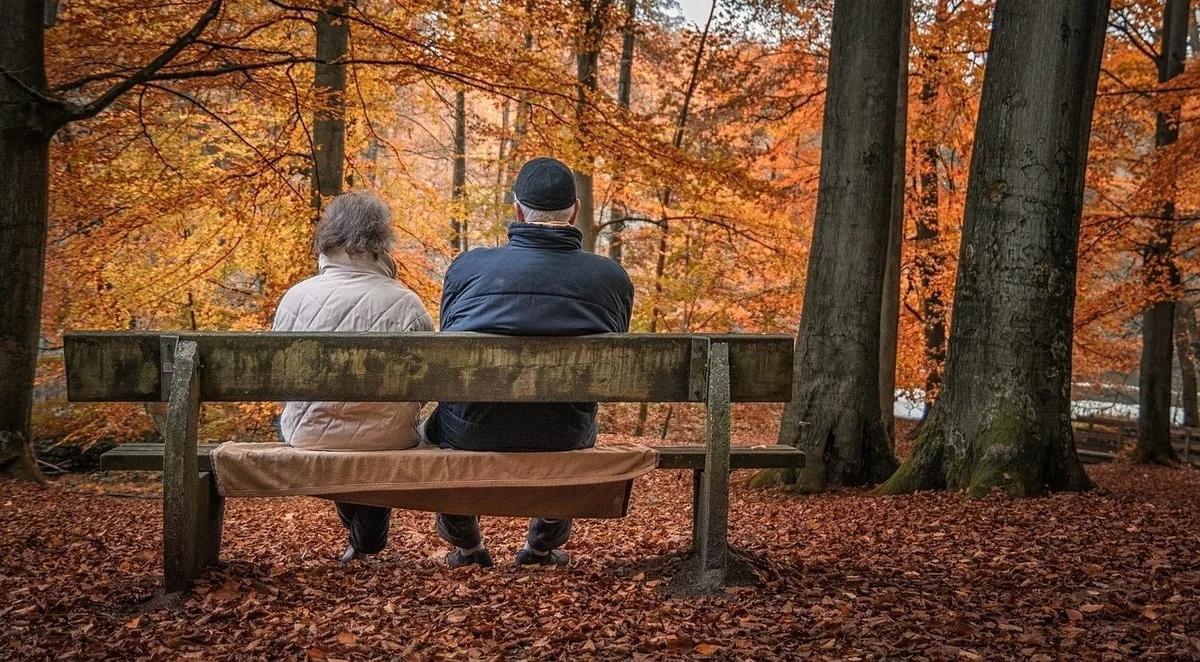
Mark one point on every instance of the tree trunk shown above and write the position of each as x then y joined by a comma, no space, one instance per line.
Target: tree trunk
834,413
1160,271
329,119
930,261
25,134
458,187
1185,329
520,120
616,237
889,316
587,57
664,226
1002,419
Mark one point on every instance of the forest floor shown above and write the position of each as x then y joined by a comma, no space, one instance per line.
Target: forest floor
1113,573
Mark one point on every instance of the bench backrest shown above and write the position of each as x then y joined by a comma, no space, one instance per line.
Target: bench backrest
135,367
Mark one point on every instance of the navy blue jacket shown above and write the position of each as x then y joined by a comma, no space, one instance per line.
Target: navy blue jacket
540,284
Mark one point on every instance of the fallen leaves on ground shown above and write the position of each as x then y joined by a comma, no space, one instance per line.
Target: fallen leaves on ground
1114,573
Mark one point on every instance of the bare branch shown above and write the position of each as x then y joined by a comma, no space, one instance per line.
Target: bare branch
147,72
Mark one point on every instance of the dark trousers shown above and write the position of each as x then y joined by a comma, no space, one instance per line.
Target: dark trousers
368,526
463,531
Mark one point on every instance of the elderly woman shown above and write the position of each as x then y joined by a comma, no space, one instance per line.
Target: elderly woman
355,290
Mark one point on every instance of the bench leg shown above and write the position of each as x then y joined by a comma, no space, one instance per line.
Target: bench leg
211,520
187,504
707,571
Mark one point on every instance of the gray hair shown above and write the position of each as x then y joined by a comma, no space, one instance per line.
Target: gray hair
544,216
356,222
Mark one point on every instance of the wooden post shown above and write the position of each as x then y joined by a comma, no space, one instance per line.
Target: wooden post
709,566
211,518
714,518
182,552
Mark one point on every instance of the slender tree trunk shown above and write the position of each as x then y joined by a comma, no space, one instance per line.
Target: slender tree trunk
1161,272
520,120
502,159
458,188
1185,323
930,261
889,317
587,57
25,134
834,412
616,245
329,119
1003,417
664,227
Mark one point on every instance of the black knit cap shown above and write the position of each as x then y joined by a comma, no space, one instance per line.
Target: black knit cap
545,184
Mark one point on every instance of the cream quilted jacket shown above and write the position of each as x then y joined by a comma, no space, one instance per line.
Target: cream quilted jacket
354,294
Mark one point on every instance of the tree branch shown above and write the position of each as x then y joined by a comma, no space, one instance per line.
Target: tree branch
147,72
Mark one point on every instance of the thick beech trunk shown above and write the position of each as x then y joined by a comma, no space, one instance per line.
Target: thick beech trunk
1160,270
458,185
889,316
1185,338
1002,419
834,413
329,119
587,57
25,134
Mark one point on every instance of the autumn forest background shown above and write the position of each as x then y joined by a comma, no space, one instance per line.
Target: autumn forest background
188,202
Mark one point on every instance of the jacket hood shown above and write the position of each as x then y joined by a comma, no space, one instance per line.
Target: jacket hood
365,263
552,237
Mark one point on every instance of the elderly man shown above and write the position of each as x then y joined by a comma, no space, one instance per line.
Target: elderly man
541,284
355,290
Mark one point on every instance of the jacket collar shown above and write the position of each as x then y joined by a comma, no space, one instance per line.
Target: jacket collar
362,263
550,237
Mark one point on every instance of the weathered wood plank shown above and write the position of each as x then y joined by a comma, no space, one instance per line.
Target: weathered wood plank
427,366
114,366
149,457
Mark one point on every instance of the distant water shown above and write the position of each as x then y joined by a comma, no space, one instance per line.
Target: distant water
911,407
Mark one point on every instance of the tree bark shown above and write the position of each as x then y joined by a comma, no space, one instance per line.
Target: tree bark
587,57
834,413
329,118
25,134
889,316
1160,270
930,261
616,238
1185,330
1002,420
458,187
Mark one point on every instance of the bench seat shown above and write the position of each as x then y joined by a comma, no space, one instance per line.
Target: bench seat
149,457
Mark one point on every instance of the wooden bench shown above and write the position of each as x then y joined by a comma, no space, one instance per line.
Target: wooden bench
187,369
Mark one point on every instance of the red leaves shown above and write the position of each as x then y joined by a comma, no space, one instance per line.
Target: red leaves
844,575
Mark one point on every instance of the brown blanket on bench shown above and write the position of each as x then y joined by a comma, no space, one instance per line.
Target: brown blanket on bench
585,483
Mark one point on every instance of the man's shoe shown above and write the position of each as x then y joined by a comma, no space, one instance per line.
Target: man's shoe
553,557
349,555
457,559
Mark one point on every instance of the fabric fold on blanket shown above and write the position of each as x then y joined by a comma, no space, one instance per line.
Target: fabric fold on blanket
587,483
